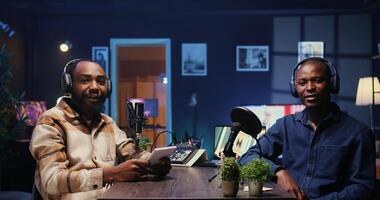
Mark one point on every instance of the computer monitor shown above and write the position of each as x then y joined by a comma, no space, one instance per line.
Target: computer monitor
150,106
241,144
268,114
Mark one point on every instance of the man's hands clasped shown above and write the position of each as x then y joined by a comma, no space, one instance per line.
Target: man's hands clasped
134,169
162,168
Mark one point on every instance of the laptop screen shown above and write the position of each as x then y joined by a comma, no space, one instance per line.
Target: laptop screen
241,144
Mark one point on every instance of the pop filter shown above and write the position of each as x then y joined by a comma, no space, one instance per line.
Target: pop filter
250,123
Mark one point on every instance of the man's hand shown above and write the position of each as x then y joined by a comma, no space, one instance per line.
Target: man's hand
287,183
162,168
130,170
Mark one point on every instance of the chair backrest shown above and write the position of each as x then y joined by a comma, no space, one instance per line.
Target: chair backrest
35,193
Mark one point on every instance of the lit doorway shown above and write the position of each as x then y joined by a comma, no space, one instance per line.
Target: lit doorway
141,68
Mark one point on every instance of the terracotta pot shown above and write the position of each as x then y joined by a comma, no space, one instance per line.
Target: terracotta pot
230,188
255,188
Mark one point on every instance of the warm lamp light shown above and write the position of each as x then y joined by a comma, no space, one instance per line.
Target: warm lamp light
366,93
65,46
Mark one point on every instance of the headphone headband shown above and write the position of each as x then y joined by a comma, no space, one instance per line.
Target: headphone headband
70,63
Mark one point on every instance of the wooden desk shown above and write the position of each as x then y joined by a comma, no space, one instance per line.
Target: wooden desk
183,183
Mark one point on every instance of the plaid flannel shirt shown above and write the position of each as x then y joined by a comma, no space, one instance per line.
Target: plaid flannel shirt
70,158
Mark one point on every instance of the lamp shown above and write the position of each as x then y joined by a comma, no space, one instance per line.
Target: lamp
65,46
368,93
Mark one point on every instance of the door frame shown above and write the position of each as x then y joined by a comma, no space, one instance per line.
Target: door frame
114,70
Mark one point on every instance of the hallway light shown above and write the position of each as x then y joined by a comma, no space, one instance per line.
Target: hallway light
65,46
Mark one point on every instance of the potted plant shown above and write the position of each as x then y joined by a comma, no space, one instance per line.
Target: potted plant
256,173
145,144
230,176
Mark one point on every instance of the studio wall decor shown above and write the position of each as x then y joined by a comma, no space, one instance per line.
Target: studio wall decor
194,59
252,58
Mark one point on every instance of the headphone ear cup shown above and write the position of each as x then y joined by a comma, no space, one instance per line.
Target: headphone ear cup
109,88
335,84
292,87
66,83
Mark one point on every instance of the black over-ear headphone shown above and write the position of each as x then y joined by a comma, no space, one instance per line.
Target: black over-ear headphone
67,82
334,77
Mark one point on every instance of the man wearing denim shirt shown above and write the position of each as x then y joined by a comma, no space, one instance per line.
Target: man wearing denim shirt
327,154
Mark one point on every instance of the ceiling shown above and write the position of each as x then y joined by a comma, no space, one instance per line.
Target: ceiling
120,7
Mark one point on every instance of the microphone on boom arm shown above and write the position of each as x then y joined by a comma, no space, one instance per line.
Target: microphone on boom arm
136,118
243,120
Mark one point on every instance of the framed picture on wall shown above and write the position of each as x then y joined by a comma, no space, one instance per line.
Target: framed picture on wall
308,49
252,58
194,59
100,55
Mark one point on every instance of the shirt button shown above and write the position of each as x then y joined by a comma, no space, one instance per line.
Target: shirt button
94,157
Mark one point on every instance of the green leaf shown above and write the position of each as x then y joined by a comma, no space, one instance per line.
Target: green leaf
230,170
258,170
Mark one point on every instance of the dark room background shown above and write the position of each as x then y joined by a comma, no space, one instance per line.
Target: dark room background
349,30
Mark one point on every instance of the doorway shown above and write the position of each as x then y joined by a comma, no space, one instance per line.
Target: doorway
141,69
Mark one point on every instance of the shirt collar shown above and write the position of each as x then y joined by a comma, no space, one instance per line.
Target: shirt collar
334,114
71,114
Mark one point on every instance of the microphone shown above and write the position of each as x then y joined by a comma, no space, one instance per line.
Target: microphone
235,129
139,117
138,120
243,120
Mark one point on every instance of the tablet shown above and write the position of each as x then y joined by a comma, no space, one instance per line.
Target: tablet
158,153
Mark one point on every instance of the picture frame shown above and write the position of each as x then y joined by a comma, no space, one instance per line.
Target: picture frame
100,55
194,59
252,58
307,49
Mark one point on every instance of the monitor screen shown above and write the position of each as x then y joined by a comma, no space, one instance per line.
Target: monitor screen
150,106
241,144
268,114
30,111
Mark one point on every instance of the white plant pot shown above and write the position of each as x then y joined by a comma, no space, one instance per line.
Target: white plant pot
255,188
230,188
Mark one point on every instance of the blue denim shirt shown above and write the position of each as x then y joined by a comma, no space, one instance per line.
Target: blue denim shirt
335,161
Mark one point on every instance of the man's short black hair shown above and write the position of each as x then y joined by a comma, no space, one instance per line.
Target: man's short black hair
71,65
317,60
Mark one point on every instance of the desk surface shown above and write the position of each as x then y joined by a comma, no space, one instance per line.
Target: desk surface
183,183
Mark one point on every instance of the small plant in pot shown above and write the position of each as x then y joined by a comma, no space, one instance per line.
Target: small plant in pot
230,176
145,144
256,173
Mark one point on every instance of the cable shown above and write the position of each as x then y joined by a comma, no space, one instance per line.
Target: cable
158,134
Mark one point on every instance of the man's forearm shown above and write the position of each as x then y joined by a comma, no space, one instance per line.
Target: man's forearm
354,191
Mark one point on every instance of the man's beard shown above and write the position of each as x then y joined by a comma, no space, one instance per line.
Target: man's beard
84,103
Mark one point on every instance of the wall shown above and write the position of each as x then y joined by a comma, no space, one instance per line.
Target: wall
348,41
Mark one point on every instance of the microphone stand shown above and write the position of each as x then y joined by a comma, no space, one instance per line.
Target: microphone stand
138,138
